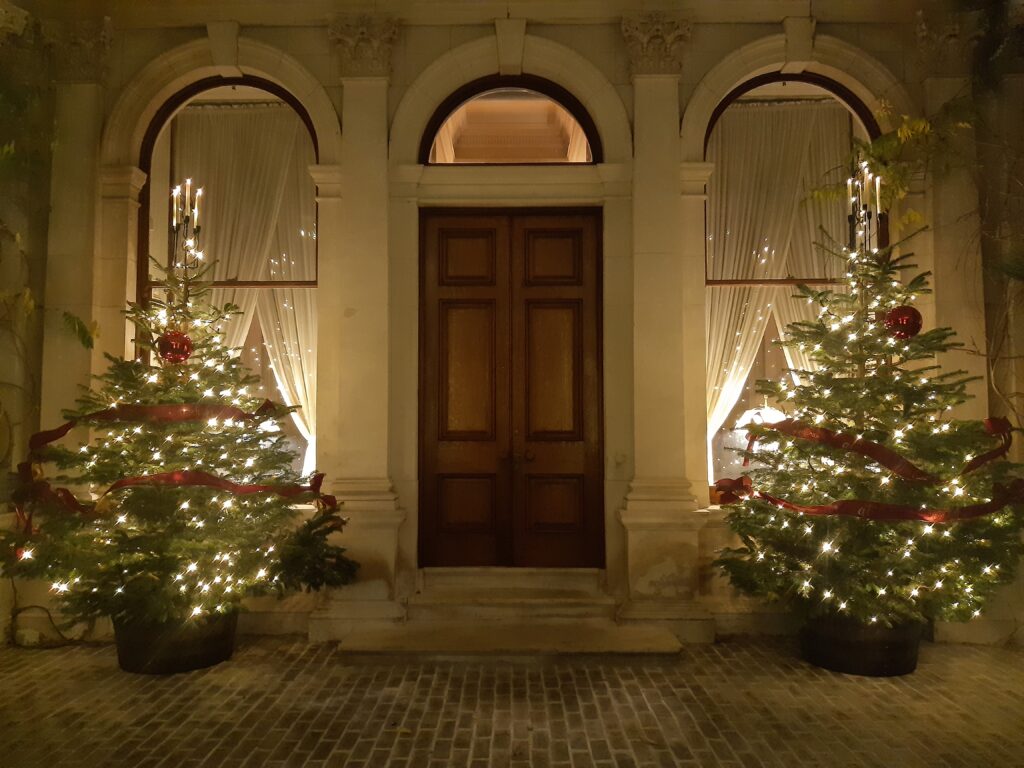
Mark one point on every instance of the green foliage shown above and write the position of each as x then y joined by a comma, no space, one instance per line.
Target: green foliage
888,391
86,334
304,554
26,130
157,552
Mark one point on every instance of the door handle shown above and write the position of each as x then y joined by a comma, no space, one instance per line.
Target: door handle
530,456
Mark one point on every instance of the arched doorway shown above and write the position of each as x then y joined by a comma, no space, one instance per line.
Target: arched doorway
249,144
416,185
511,454
505,119
778,144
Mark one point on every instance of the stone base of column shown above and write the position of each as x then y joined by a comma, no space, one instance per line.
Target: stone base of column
370,538
663,527
661,539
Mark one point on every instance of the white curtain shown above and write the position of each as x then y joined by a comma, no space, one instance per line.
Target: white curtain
258,223
766,159
818,220
235,154
288,315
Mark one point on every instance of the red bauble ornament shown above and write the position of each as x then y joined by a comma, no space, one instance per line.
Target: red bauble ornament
174,347
903,322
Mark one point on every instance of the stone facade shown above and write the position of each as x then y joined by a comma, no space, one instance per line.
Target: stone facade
649,81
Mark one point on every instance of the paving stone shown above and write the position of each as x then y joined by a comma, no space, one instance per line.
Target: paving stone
282,703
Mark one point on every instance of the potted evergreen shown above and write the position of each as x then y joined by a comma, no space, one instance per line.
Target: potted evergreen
183,499
869,509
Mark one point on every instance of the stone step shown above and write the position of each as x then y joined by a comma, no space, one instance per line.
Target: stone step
493,580
550,636
453,604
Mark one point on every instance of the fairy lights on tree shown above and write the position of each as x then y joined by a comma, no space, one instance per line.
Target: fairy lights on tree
183,500
869,499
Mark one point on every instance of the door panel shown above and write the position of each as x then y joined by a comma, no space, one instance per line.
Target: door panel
465,430
467,368
552,366
558,484
511,455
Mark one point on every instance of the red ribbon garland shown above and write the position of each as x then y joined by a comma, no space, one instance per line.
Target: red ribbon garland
191,477
732,490
878,510
41,491
33,490
168,413
846,442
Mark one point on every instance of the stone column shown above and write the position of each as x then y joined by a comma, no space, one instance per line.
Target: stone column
659,514
116,265
353,343
79,54
952,212
951,247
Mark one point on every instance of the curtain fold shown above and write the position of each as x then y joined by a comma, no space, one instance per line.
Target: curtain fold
287,315
235,154
767,158
259,223
817,220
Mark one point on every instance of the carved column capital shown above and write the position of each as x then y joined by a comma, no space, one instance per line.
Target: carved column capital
363,44
654,42
78,48
944,40
13,20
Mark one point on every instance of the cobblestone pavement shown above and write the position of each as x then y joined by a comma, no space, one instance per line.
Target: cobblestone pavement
287,703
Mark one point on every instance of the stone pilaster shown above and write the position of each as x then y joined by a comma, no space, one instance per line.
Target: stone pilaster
659,513
74,281
354,342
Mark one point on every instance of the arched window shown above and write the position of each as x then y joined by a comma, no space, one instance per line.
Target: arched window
777,142
508,121
249,145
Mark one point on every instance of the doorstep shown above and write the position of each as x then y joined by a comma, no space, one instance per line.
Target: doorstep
546,636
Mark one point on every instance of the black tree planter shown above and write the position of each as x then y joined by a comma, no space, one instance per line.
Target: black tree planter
844,645
175,646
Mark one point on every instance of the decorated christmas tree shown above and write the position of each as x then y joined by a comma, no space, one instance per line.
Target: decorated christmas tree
183,499
870,501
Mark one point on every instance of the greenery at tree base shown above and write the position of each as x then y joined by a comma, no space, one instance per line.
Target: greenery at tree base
173,551
888,391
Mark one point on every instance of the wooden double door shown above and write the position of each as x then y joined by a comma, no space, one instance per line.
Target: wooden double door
511,460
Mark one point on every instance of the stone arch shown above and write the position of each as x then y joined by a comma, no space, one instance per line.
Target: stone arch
478,59
176,69
863,75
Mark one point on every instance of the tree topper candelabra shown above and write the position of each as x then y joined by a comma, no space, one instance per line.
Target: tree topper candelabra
174,345
185,228
868,230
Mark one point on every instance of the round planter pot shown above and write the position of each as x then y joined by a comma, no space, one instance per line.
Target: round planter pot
844,645
175,646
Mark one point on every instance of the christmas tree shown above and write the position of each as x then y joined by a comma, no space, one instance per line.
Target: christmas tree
183,501
870,500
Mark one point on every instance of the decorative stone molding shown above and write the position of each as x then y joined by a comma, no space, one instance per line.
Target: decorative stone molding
223,37
693,178
1017,16
363,44
799,31
13,20
121,182
944,39
654,41
511,34
79,48
328,180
